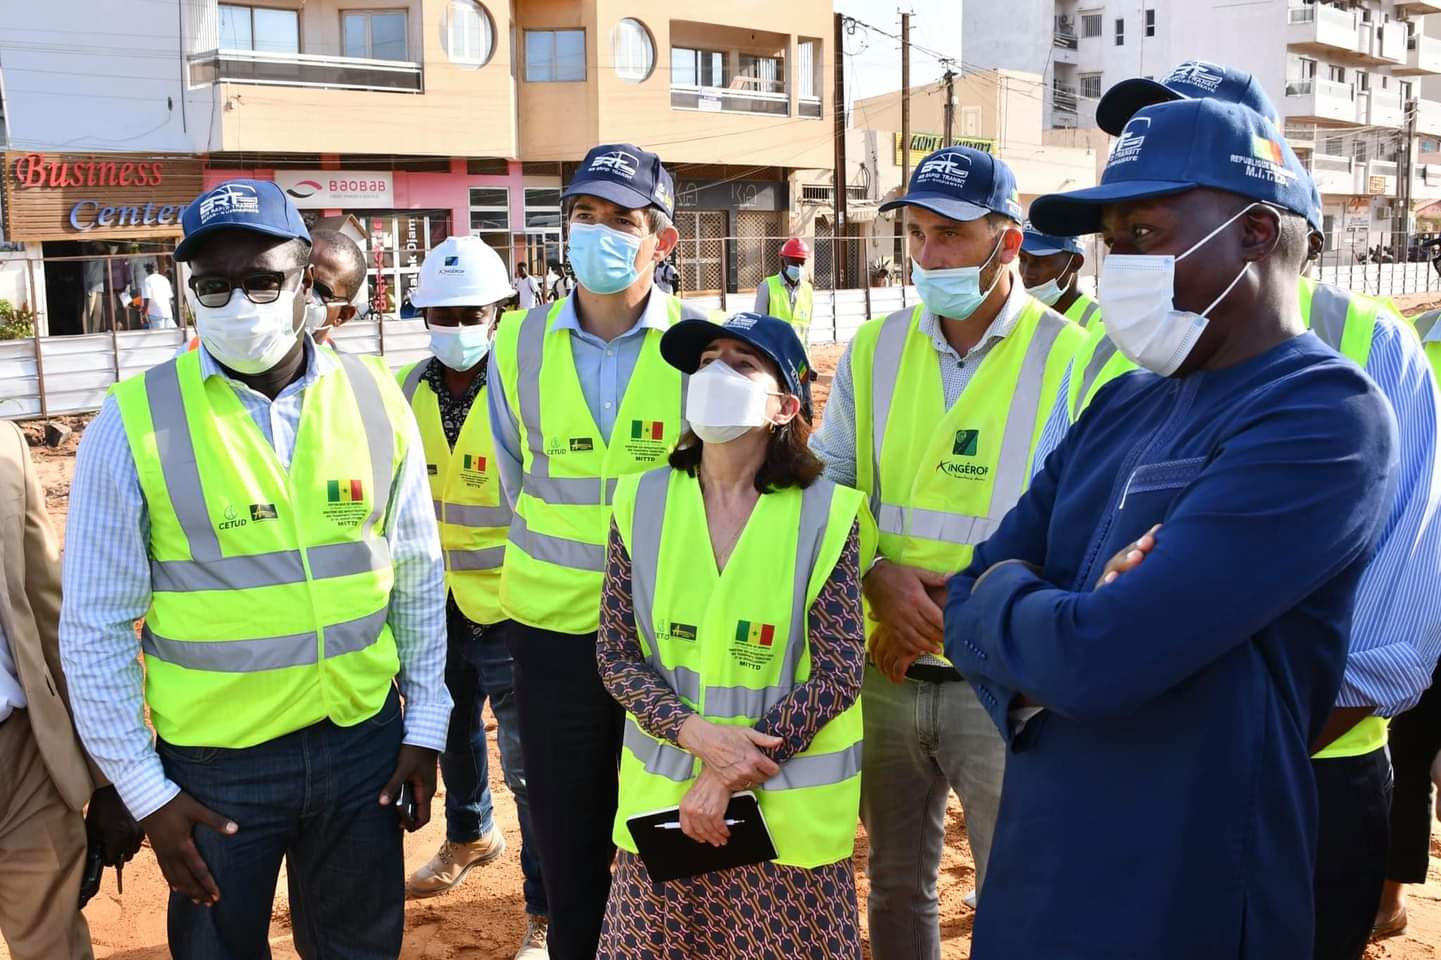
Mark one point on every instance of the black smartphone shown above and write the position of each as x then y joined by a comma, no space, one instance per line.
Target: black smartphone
94,868
405,806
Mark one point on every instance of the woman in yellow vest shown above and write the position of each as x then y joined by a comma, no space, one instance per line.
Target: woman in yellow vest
731,633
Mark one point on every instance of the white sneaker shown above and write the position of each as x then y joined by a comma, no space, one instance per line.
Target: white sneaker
533,946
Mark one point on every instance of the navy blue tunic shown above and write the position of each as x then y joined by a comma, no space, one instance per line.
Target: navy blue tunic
1162,804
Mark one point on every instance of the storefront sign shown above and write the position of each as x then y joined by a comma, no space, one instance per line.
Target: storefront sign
334,189
62,196
927,143
732,195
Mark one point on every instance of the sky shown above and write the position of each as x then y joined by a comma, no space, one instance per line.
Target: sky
873,62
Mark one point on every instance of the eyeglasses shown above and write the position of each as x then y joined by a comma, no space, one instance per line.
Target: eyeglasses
327,295
262,287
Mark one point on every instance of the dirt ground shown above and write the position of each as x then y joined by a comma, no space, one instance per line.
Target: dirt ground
484,919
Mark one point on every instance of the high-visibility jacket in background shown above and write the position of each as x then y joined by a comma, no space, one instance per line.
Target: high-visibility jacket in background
1346,321
778,304
734,644
1430,334
555,550
269,587
939,481
470,508
1083,311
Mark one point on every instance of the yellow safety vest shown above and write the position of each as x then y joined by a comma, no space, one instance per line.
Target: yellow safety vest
780,307
555,551
469,505
735,644
1346,321
1083,311
269,587
1430,335
939,481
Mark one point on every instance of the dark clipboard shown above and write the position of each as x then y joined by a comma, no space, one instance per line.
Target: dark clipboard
668,854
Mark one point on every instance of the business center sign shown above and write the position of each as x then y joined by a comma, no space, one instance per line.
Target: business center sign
63,196
338,189
923,144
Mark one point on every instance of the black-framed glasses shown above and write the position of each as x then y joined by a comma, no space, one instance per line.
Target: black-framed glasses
264,286
327,295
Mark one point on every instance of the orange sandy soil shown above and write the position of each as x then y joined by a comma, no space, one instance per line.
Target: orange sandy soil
485,918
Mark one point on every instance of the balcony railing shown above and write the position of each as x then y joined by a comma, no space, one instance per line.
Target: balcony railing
304,70
1066,40
1305,14
1064,98
1331,163
825,193
744,95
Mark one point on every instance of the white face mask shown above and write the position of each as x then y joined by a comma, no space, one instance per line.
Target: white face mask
1137,293
317,316
246,337
721,404
460,348
1050,291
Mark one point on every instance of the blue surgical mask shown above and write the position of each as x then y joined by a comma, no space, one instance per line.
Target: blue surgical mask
460,348
956,292
603,259
1050,291
792,272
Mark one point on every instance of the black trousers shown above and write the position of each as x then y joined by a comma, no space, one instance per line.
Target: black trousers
1415,740
570,736
1355,803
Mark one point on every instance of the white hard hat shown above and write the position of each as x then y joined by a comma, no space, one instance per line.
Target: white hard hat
462,272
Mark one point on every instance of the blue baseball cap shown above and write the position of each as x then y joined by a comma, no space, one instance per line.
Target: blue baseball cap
1041,244
1170,148
625,175
961,183
257,205
1192,80
682,345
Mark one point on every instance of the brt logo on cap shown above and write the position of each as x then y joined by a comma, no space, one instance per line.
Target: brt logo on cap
950,169
1202,74
617,162
1128,147
229,198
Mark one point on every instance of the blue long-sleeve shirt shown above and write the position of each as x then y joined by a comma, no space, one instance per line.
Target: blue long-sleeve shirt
1396,636
1171,759
107,588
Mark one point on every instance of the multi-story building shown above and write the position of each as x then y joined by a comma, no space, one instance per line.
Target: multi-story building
1345,76
416,118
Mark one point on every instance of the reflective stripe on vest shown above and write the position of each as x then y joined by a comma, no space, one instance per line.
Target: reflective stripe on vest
267,653
1011,473
1329,306
1344,320
1105,350
1083,311
1426,326
208,569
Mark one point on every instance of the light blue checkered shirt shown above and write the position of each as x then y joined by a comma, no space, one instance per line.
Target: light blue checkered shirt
1396,630
107,588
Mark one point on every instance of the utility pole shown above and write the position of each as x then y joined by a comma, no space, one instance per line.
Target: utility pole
905,134
1401,244
950,78
838,107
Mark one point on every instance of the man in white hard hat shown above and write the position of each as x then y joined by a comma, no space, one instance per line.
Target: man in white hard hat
463,282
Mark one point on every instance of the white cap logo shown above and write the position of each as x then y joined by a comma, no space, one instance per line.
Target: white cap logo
1128,147
948,168
1202,74
617,161
229,198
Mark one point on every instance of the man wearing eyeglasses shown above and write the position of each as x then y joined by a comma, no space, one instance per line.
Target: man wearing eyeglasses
263,505
337,274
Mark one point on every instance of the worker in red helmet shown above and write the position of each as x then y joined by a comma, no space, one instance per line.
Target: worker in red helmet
789,295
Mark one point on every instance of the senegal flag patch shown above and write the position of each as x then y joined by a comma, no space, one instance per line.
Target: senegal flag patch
755,634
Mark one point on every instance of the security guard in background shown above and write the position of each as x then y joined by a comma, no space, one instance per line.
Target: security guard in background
580,396
1051,271
261,503
789,294
1394,646
463,283
934,414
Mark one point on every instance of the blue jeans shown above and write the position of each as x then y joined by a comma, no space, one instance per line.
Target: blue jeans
309,798
477,668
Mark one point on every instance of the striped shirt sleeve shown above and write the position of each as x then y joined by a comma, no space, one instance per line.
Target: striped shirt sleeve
1058,421
1396,631
835,442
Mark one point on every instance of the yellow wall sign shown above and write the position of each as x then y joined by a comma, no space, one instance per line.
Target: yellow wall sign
924,143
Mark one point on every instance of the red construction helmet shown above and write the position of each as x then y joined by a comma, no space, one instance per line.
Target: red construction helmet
796,247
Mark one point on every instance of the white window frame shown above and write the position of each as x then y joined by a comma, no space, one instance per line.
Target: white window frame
250,9
1120,31
1085,89
623,50
1089,17
1149,22
369,37
458,21
554,33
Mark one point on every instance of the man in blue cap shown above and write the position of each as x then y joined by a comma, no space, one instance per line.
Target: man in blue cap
1394,643
262,504
933,414
1051,270
580,395
1172,695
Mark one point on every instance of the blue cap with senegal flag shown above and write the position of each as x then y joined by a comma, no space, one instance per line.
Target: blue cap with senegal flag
1192,80
1174,147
